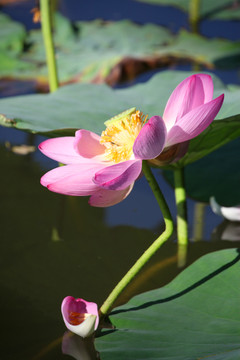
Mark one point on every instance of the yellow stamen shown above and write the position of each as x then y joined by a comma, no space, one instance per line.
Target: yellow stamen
76,318
120,135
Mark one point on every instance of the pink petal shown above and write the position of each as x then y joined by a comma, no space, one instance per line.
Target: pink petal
118,176
189,94
151,139
75,180
230,213
69,303
80,306
105,198
60,149
194,122
87,144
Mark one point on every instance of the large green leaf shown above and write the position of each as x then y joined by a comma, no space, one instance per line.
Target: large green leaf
196,316
215,175
218,53
12,35
90,50
10,63
88,106
221,9
216,135
100,51
231,13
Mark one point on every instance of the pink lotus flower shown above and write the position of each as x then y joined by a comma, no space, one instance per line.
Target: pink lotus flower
105,167
80,316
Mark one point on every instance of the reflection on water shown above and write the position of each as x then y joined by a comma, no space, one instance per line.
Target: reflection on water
182,255
228,231
78,348
198,221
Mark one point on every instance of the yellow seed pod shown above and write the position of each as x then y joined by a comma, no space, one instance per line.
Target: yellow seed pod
123,115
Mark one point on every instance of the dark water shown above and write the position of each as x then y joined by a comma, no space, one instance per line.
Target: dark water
53,246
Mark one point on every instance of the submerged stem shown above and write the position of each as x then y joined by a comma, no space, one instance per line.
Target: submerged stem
108,304
46,21
194,7
180,196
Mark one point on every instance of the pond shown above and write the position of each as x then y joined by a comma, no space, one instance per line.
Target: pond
54,245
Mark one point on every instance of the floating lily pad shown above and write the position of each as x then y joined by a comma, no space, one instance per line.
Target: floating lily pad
231,13
196,316
98,51
221,9
9,63
12,35
90,50
212,53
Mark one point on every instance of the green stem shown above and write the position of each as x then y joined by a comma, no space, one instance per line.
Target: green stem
180,196
194,7
108,304
45,6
